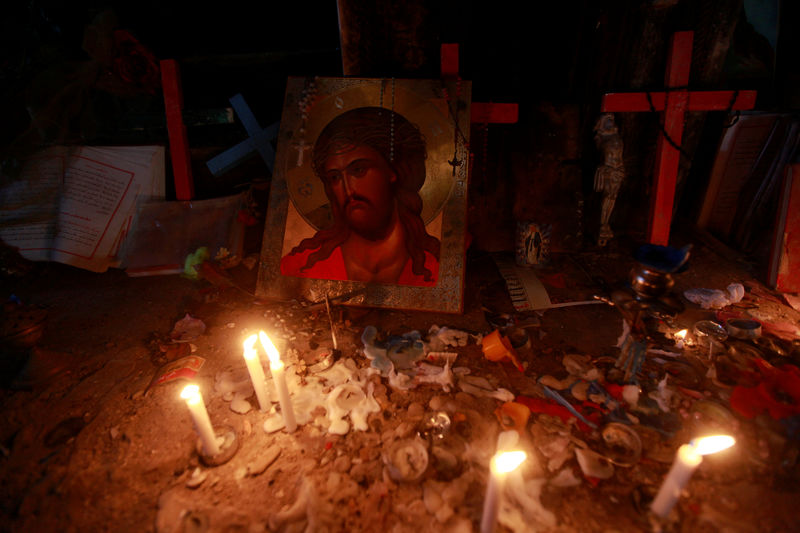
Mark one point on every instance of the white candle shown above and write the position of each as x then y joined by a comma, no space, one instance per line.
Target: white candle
687,460
194,401
680,338
256,372
501,465
279,378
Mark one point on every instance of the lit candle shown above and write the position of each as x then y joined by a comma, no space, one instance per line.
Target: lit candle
680,338
256,372
279,378
687,460
194,400
501,465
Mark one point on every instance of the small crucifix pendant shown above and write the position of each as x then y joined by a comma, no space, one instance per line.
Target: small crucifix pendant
301,148
455,162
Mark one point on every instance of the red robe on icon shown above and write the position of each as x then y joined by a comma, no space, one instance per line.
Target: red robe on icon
333,268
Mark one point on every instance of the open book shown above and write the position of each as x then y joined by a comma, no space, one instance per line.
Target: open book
76,204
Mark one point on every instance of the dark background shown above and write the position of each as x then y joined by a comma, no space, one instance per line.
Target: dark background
555,59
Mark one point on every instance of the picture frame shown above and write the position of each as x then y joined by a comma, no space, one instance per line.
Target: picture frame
368,197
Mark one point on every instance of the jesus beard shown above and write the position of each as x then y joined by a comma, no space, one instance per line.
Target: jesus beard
365,220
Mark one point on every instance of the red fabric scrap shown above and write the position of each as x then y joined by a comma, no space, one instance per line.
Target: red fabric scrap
547,407
556,280
778,393
615,391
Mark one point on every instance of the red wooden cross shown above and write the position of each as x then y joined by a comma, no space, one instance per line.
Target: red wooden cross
480,113
674,102
178,140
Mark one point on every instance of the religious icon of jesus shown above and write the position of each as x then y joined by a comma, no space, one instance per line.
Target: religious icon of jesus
371,161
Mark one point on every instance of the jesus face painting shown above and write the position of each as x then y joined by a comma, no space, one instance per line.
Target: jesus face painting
361,181
371,162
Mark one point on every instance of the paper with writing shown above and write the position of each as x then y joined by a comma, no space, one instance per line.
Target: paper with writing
75,204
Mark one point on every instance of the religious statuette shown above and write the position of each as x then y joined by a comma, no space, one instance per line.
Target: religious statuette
609,175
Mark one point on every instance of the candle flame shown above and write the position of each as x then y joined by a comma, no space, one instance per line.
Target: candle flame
713,444
681,335
250,346
272,352
505,462
191,393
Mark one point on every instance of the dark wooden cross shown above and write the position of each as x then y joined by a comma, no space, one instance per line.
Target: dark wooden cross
480,113
674,102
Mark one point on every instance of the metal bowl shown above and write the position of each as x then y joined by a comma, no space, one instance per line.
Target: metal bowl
743,328
650,283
